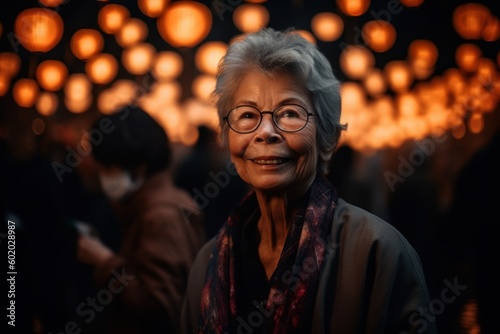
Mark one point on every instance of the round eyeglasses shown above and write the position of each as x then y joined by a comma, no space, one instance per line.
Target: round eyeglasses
286,117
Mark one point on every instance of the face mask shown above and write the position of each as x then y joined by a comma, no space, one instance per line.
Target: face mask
118,185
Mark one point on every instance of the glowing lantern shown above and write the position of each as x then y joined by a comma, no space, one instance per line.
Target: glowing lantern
101,68
476,123
491,31
51,3
10,63
77,87
398,75
469,20
486,71
185,23
25,92
132,32
422,56
208,56
356,61
374,82
112,17
353,96
152,8
379,35
78,106
327,27
353,7
167,65
47,103
467,56
408,105
202,86
139,58
412,3
51,74
250,18
38,29
85,43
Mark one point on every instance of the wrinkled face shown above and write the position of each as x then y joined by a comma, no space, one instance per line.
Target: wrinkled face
270,159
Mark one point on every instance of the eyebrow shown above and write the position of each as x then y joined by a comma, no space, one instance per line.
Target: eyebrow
289,100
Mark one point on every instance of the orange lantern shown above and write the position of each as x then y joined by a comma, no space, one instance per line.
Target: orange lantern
132,32
353,7
469,20
356,61
112,17
51,75
250,18
25,92
202,86
374,82
51,3
208,56
185,23
398,75
379,35
85,43
139,58
422,56
152,8
10,63
327,26
491,31
77,87
101,68
47,103
38,29
467,56
167,65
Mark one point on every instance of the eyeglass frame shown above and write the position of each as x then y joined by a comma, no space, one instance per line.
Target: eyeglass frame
270,112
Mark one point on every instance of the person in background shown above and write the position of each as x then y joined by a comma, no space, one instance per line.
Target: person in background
162,229
293,256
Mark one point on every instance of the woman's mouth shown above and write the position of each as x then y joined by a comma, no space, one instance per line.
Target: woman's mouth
270,161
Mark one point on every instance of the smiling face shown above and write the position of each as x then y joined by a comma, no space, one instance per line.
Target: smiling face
269,159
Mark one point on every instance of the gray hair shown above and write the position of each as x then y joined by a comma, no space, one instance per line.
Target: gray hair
275,52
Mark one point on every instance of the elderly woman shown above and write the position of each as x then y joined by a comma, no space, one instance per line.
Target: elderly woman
293,257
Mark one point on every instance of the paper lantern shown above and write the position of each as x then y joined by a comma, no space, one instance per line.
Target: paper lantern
10,63
356,61
167,65
25,92
152,8
250,17
398,75
467,56
138,59
47,103
38,29
208,56
379,35
51,75
85,43
469,20
353,7
132,32
112,17
327,27
101,68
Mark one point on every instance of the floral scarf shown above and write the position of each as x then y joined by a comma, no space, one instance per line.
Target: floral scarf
290,301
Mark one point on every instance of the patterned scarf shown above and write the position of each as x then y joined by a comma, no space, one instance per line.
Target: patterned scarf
290,300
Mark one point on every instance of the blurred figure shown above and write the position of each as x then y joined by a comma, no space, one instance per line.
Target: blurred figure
209,175
143,285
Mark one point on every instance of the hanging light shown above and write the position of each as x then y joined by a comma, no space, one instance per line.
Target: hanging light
353,7
51,75
327,26
469,20
422,56
250,17
25,92
47,103
167,65
467,56
10,63
139,58
152,8
379,35
77,86
132,32
374,82
491,31
202,86
208,56
185,23
85,43
112,17
356,61
101,68
398,75
38,29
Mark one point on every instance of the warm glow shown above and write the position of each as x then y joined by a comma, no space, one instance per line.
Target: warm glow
476,123
467,56
398,75
408,105
412,3
10,63
152,8
85,43
111,18
47,103
374,82
78,106
486,71
353,96
167,65
422,56
139,58
356,61
208,56
379,35
202,86
51,74
25,92
132,32
458,131
51,3
38,29
327,27
470,19
353,7
4,83
250,18
491,31
121,93
77,87
101,68
185,23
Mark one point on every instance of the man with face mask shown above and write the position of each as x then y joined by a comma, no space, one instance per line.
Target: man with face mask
143,285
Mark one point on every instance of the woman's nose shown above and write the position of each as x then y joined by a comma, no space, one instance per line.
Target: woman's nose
267,131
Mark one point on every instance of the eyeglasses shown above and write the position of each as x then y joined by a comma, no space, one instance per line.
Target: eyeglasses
287,117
